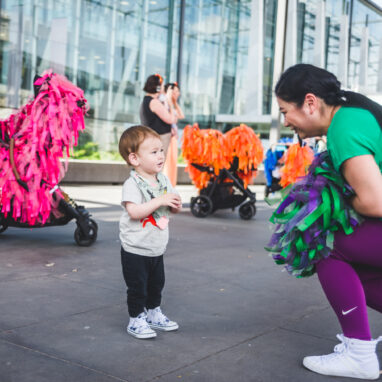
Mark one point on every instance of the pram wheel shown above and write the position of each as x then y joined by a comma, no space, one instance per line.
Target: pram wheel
201,206
3,225
86,239
247,211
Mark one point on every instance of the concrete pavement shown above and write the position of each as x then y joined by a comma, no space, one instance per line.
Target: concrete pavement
63,314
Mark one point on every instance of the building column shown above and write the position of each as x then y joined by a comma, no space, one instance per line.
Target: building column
364,61
343,59
179,65
319,35
254,93
34,39
105,140
142,43
274,132
193,85
220,63
291,35
16,39
379,80
76,43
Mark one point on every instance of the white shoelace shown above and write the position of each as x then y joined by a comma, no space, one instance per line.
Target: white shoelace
343,346
160,317
140,323
340,348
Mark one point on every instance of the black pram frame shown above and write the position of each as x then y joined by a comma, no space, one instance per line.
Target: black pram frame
225,190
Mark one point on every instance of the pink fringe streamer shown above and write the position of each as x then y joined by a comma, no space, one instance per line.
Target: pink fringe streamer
44,130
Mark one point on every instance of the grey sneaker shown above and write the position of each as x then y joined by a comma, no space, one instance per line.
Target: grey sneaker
139,328
157,320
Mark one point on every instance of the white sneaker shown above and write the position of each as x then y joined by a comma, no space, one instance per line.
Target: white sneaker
157,320
139,328
351,358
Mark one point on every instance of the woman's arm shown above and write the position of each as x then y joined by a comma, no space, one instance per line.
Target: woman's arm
179,111
160,110
364,176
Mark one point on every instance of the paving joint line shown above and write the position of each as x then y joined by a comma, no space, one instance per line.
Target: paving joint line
86,282
306,334
213,354
2,331
64,360
237,344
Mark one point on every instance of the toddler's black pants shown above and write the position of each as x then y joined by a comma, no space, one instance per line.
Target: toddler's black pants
144,278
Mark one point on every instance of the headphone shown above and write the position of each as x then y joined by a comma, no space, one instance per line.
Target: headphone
158,88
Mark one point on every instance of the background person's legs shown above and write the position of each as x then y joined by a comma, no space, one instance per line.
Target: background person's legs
165,138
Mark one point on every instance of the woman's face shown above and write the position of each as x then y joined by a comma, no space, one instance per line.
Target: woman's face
302,120
175,92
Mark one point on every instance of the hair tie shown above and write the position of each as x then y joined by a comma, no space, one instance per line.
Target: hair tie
341,95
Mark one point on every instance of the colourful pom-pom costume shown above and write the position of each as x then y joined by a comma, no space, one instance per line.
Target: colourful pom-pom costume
297,159
219,164
32,143
309,215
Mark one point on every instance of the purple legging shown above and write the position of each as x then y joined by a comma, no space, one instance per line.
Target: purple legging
352,277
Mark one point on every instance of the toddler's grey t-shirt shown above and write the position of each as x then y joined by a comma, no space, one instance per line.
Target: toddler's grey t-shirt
141,237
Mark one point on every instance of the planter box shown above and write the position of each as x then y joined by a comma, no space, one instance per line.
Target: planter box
94,171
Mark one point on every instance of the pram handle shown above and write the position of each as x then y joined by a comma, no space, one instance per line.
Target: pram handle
203,168
13,165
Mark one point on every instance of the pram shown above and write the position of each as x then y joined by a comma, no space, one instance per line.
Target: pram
31,143
226,190
221,166
86,232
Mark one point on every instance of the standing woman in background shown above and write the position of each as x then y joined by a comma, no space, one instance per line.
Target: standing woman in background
170,168
154,114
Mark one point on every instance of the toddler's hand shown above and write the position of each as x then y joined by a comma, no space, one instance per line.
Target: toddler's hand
171,200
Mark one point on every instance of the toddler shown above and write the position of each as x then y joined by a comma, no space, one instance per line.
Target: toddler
147,199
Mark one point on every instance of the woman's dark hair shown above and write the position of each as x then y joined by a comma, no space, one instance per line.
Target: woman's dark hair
153,84
171,85
300,79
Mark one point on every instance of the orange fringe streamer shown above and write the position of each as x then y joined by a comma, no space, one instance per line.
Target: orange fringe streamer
297,159
242,142
211,148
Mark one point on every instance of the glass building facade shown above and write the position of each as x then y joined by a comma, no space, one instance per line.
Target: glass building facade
110,47
364,24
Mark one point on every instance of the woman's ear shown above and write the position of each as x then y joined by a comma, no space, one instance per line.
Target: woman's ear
133,159
311,102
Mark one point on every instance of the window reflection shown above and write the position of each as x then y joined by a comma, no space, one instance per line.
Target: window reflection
109,47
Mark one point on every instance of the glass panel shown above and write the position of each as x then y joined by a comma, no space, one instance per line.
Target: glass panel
215,51
332,45
363,16
107,48
306,26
